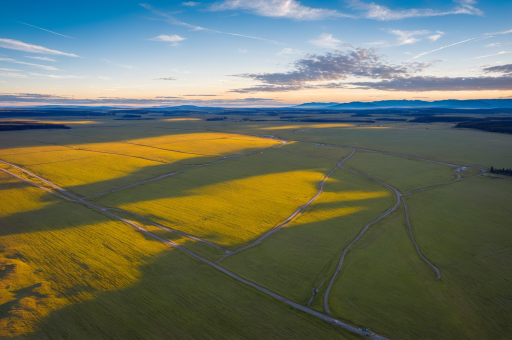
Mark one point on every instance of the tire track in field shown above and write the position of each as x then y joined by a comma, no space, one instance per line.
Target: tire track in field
172,230
292,216
202,259
345,251
438,273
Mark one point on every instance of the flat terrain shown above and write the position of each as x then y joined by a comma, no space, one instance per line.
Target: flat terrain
184,228
464,147
69,272
300,256
405,174
229,203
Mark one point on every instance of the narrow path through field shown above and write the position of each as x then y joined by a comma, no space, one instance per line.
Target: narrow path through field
202,259
292,216
172,230
387,212
438,273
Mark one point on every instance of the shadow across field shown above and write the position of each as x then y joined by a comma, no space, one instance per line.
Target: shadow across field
178,297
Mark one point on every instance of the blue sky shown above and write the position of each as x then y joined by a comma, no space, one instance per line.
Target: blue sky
252,52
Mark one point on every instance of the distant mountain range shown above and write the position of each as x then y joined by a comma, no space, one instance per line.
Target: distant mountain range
411,104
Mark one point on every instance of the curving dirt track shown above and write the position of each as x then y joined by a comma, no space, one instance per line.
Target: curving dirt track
438,273
202,259
340,264
292,216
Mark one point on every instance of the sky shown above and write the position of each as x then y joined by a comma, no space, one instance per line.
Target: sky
252,52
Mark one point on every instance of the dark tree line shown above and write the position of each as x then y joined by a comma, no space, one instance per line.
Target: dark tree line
502,171
12,125
486,125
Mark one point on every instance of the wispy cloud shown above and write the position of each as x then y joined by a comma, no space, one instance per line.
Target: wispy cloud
408,37
9,70
288,51
56,76
13,75
326,40
440,48
21,46
291,9
170,19
493,45
497,33
174,39
42,58
490,55
435,37
166,78
190,3
164,100
44,67
242,50
383,13
62,35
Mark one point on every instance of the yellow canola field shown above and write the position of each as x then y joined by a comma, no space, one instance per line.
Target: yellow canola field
221,147
229,203
156,154
87,173
55,253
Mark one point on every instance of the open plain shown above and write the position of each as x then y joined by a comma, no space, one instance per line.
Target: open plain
186,228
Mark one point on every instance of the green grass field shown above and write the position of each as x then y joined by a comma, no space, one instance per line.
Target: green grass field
300,256
404,174
460,228
464,147
229,203
311,149
69,272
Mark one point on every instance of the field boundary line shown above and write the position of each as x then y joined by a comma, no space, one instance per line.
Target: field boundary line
438,273
345,251
172,230
224,270
293,215
180,171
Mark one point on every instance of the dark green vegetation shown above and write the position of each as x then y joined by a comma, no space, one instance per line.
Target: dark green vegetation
487,125
11,125
502,171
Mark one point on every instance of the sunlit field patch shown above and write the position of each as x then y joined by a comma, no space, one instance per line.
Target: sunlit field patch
54,253
70,272
87,173
300,256
229,203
